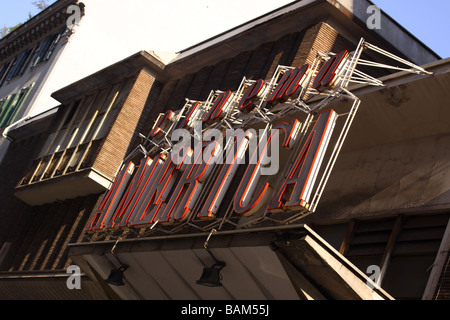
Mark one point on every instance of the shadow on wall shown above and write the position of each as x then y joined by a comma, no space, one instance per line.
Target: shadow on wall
405,175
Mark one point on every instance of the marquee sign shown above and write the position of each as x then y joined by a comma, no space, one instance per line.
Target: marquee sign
242,157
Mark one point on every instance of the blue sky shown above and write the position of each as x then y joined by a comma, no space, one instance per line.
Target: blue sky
13,12
428,20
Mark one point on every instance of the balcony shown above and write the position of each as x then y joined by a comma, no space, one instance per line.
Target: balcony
92,132
63,175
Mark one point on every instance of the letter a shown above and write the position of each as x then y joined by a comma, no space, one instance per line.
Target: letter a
374,21
74,280
303,173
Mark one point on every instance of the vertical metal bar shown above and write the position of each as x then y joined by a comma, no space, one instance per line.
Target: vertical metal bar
50,145
348,238
335,153
389,249
94,136
86,129
354,62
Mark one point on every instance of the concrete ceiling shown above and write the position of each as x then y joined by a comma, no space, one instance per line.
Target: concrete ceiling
261,264
409,107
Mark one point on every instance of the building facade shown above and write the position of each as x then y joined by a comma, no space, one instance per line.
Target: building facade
95,184
62,44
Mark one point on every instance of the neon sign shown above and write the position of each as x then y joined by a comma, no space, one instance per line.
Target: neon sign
180,183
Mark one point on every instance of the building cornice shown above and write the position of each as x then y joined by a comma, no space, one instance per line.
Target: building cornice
297,15
148,61
346,14
51,18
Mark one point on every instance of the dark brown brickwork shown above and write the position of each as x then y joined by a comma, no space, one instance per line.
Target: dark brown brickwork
294,49
125,127
38,236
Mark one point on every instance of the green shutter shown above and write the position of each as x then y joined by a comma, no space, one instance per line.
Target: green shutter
6,110
12,106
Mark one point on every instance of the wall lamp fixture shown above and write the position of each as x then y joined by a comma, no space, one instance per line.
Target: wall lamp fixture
211,276
116,275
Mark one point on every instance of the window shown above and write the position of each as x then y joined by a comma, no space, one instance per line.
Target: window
73,145
34,56
5,70
11,106
20,63
44,52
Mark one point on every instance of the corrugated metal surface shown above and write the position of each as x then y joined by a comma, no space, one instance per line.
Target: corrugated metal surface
395,163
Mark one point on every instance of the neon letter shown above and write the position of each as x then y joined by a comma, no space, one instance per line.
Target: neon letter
244,202
187,120
235,154
163,124
288,85
328,71
189,187
111,199
133,193
246,104
303,173
156,192
217,108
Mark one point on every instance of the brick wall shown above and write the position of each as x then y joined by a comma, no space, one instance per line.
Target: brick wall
294,49
37,236
125,128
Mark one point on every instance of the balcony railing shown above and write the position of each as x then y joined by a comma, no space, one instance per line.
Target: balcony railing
62,163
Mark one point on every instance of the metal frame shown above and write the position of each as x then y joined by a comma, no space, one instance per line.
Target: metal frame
51,164
349,74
